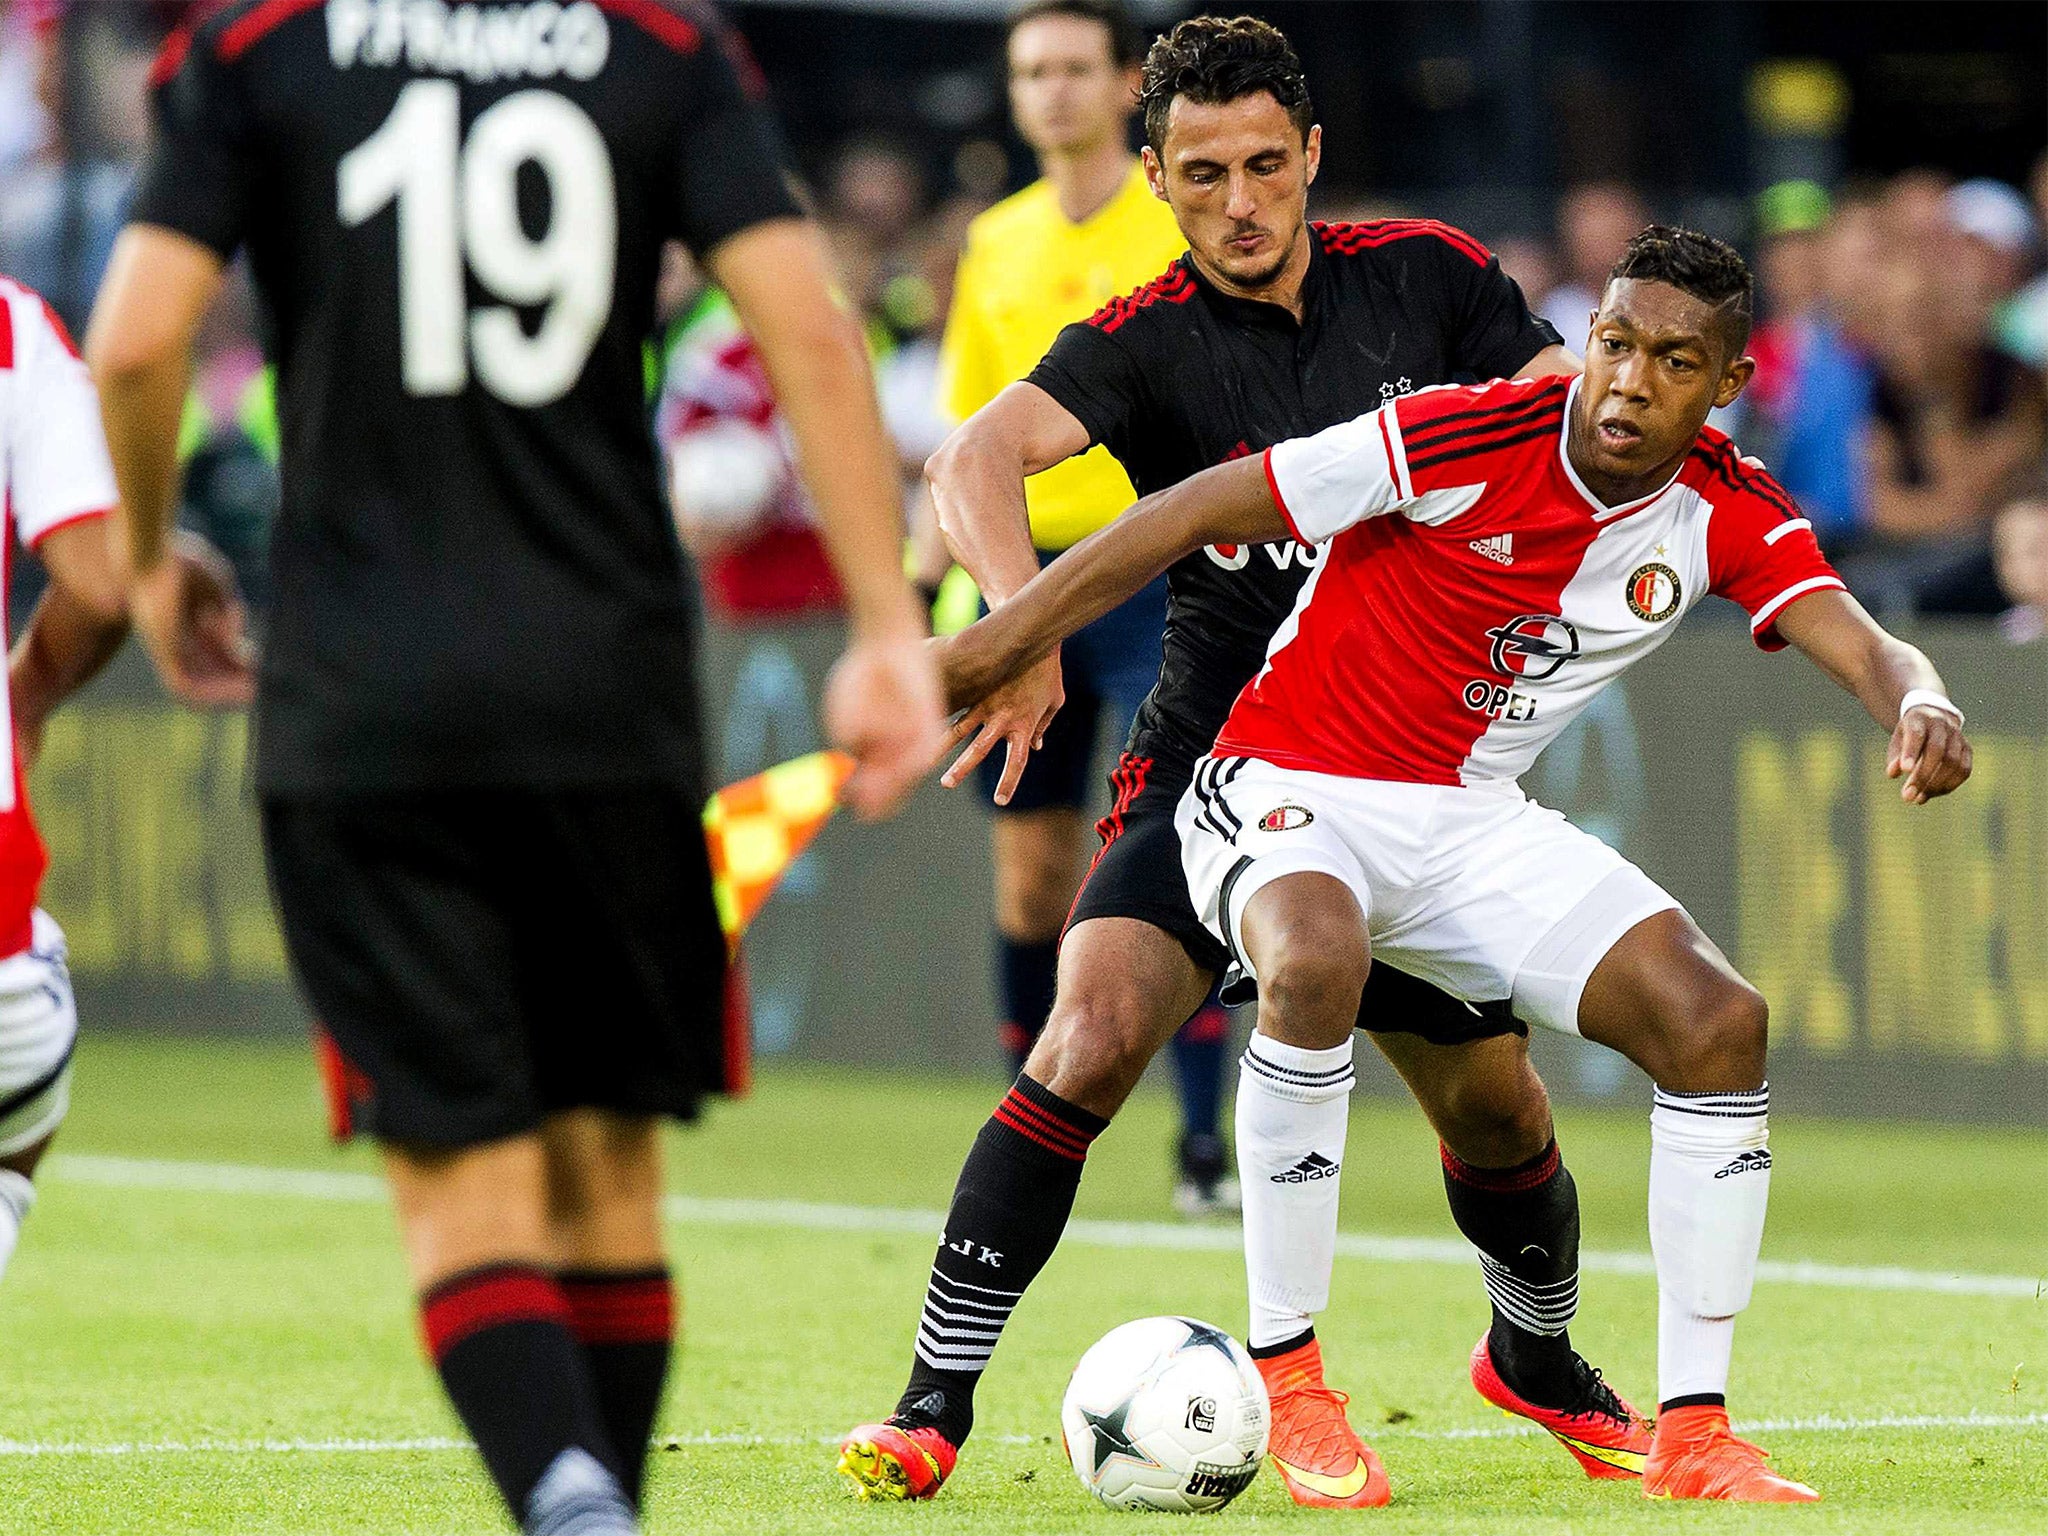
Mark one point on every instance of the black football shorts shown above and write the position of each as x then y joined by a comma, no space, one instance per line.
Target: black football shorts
478,959
1137,873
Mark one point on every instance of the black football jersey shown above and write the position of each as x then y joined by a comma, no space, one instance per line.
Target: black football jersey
453,217
1178,377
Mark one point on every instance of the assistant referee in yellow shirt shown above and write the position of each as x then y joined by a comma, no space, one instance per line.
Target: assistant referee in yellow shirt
1088,230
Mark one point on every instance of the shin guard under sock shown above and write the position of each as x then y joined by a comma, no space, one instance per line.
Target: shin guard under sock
1524,1221
1710,1182
1009,1208
625,1321
500,1338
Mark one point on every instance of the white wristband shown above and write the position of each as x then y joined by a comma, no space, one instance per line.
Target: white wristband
1918,698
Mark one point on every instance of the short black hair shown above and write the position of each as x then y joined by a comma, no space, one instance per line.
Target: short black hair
1214,59
1711,270
1126,42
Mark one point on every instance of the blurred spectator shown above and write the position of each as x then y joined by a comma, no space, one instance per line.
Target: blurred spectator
2019,552
2004,576
2022,326
1811,398
61,204
1594,222
1533,265
1957,422
874,197
739,506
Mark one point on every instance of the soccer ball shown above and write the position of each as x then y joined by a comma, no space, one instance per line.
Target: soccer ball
1166,1413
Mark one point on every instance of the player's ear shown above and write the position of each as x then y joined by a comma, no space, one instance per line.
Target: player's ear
1734,379
1312,151
1155,173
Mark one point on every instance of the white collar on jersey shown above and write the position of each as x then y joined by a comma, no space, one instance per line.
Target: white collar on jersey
1602,513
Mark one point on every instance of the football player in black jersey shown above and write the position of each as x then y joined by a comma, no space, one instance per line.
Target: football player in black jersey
477,746
1269,326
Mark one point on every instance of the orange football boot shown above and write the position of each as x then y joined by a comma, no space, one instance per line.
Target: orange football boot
1319,1456
1604,1433
888,1461
1695,1456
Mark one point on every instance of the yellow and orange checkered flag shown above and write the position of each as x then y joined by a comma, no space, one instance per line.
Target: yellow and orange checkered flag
757,827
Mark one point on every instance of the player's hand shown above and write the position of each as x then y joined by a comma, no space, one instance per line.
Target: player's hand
1015,715
1930,750
882,706
188,611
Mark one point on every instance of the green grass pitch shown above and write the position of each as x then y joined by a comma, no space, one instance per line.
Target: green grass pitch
177,1340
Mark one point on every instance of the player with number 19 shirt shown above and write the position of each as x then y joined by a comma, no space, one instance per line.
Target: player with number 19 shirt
478,745
456,232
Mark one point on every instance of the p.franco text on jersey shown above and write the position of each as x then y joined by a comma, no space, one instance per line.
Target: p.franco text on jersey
536,41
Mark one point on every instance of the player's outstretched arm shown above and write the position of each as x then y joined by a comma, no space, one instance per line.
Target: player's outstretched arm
1230,504
1894,681
158,287
882,701
977,485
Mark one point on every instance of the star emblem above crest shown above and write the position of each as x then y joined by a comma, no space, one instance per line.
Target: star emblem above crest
1400,386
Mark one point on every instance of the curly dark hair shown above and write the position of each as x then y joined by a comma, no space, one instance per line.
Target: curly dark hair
1126,42
1711,270
1214,59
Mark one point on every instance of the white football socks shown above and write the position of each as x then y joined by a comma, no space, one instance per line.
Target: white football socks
1710,1180
1293,1107
17,1195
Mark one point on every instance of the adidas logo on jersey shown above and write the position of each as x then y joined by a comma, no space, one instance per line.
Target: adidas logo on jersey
1314,1166
1500,548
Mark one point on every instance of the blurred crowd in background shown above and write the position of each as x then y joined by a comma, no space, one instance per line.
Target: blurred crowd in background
1902,346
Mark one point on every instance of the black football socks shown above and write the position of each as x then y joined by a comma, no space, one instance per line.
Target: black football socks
501,1338
625,1321
1524,1221
1026,974
1009,1208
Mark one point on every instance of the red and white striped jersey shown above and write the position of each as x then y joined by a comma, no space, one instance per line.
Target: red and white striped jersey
1476,596
53,470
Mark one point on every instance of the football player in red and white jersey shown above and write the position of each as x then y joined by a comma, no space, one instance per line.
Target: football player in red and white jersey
58,489
1497,555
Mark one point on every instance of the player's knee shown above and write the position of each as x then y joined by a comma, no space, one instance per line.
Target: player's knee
1096,1045
1721,1043
1311,967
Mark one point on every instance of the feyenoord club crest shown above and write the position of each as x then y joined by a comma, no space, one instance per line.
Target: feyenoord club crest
1286,818
1653,592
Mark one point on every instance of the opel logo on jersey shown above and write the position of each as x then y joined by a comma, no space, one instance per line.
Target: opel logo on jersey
1534,646
1286,818
1653,592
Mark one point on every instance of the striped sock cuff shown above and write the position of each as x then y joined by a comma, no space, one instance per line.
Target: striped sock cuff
628,1307
1039,1115
1541,1307
1740,1104
1538,1170
491,1297
1294,1072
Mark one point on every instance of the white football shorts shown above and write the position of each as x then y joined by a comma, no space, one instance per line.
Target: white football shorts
1479,890
38,1028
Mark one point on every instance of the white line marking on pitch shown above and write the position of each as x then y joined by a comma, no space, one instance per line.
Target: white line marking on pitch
1818,1424
809,1216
